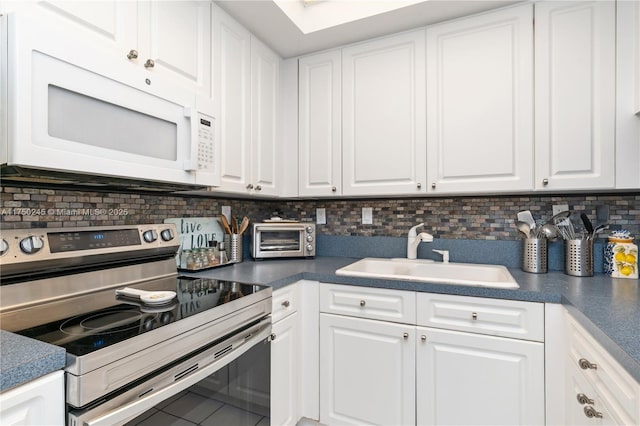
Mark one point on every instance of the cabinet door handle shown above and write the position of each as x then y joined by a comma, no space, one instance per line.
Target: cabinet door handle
150,63
591,412
584,399
406,336
586,365
334,189
419,185
474,316
133,54
545,181
250,186
433,185
286,303
273,336
362,303
423,338
258,188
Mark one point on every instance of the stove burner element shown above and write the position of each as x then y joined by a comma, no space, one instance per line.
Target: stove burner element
109,321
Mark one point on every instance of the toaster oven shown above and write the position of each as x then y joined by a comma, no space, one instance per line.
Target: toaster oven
283,239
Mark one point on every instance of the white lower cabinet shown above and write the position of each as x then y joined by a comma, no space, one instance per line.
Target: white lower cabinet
39,402
472,379
367,372
392,373
285,386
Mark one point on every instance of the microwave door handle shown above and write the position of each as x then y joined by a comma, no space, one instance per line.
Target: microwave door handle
190,164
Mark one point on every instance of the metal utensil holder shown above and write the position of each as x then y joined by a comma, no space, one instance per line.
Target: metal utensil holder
534,255
578,257
233,247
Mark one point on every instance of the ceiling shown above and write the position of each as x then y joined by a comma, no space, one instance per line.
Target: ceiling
295,27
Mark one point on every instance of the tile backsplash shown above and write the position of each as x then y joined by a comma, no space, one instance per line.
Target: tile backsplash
473,218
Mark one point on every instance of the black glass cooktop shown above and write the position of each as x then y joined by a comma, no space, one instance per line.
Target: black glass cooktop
120,318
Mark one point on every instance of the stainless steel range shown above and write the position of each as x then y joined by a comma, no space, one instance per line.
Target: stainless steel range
128,353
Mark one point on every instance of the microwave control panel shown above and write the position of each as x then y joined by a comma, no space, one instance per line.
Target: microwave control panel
206,145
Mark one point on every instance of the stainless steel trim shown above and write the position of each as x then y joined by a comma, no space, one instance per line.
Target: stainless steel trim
128,405
114,366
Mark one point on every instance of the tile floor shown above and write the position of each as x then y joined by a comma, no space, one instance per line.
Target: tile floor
189,408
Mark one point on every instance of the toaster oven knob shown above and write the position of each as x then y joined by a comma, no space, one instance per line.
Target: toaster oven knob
309,238
4,247
309,247
31,245
309,229
150,236
166,235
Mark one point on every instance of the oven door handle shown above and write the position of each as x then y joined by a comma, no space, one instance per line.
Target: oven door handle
127,412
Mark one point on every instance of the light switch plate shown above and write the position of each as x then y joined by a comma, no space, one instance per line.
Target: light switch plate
226,210
557,208
367,215
321,216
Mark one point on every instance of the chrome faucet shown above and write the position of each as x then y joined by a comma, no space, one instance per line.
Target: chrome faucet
414,239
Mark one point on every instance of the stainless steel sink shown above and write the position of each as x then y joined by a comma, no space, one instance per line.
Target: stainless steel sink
471,274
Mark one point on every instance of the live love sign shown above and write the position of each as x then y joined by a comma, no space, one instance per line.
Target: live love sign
196,232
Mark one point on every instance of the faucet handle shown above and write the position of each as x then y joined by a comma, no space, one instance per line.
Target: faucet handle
413,231
444,253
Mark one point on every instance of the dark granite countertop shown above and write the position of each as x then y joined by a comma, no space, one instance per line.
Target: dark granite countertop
608,308
23,359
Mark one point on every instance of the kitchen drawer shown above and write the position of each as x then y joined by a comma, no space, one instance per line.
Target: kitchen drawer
613,384
496,317
284,302
372,303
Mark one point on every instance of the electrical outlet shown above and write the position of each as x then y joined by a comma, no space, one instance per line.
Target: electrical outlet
226,210
321,216
367,216
557,208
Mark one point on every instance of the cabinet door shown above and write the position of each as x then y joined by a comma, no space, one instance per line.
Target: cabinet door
465,379
575,95
383,116
265,83
39,402
320,121
176,36
367,372
285,375
232,92
480,103
628,95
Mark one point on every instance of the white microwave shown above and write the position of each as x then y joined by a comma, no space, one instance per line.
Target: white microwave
76,111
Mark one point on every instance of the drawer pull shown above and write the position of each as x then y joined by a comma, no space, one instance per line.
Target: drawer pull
584,399
591,412
423,338
273,336
286,303
586,365
405,335
362,303
474,316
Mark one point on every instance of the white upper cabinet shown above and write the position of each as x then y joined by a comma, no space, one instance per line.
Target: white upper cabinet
168,39
174,40
575,95
246,86
320,124
628,95
383,116
480,103
265,86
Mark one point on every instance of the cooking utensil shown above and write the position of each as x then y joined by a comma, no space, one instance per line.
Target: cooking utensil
524,228
243,225
558,217
527,217
234,225
587,224
566,229
549,231
225,224
147,297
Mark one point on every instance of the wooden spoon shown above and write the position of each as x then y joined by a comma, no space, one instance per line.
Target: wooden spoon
225,224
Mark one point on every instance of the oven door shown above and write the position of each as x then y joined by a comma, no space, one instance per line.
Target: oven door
226,383
74,111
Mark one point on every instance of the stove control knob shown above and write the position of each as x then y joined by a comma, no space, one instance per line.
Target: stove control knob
31,245
150,236
4,247
166,235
